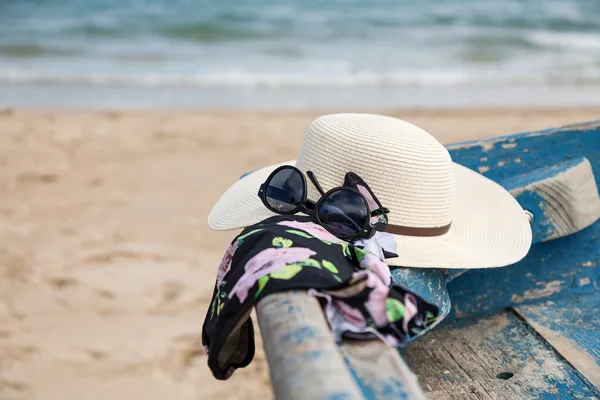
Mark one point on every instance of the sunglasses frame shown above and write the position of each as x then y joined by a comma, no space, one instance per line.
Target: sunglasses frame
365,232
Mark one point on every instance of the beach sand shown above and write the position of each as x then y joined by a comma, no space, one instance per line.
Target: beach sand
107,264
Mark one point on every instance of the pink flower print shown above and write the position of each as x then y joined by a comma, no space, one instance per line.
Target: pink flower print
226,262
351,315
373,263
372,204
265,262
375,304
410,310
312,229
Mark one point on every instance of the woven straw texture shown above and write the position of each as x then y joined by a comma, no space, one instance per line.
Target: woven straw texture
413,175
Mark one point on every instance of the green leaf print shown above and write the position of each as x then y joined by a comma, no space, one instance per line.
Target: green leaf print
394,309
287,272
429,318
360,254
244,236
218,305
417,331
299,233
330,266
212,308
280,242
262,282
345,246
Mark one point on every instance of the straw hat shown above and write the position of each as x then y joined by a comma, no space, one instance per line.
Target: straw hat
443,215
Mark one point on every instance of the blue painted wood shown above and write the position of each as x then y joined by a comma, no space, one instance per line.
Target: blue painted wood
505,157
552,269
572,327
544,227
380,372
468,359
304,361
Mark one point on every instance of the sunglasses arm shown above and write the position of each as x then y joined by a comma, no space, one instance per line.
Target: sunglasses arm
314,181
380,211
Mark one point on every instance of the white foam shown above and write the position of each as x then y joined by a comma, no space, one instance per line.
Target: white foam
240,78
566,40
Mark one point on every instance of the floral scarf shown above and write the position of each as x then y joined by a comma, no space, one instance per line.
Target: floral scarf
291,252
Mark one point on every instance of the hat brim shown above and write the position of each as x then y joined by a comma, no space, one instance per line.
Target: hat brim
489,228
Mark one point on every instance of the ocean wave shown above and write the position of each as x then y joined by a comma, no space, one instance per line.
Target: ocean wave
277,80
564,40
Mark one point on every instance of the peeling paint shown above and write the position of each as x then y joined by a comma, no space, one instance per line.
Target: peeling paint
589,264
571,328
501,163
483,159
482,169
509,145
585,281
487,146
517,160
472,355
546,290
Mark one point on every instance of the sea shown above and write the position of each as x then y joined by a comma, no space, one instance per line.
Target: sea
294,54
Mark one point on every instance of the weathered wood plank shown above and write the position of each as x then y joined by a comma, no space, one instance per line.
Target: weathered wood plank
496,357
380,372
551,269
304,362
572,327
504,157
562,197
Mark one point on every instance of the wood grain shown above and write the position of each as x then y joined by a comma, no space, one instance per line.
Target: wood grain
380,371
566,195
571,327
304,361
496,357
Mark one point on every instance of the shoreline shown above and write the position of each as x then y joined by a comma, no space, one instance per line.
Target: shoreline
290,99
182,111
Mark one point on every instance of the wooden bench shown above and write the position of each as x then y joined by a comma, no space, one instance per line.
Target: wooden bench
529,330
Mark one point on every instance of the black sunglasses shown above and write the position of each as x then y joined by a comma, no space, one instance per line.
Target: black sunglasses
343,211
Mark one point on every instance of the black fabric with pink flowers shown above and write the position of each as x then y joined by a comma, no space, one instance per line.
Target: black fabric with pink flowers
292,252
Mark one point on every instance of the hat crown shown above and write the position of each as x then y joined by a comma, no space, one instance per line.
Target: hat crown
409,171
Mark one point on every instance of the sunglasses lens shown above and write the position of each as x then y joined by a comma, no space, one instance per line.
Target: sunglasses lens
343,213
285,190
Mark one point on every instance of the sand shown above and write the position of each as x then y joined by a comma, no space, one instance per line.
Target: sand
106,261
